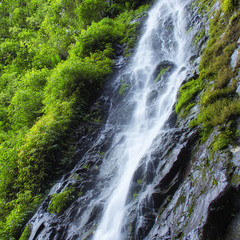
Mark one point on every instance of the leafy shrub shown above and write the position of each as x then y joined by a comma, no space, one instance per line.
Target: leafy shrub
60,201
8,164
37,158
98,36
45,89
91,10
20,210
26,104
132,3
76,79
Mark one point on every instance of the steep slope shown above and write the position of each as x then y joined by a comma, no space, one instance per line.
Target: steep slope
206,203
54,59
187,186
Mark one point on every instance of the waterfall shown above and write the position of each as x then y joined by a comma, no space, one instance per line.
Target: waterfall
161,49
118,176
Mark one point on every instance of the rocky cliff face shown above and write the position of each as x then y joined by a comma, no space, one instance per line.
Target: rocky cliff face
205,203
193,191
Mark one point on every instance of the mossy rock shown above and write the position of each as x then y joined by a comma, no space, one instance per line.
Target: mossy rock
60,201
163,69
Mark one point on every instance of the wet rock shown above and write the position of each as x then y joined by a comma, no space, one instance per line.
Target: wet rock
163,69
233,230
234,58
74,237
171,122
152,96
190,212
39,229
145,227
221,212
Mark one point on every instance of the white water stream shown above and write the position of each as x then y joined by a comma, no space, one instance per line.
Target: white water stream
164,39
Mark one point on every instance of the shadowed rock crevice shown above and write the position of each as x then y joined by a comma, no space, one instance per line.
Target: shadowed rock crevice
221,213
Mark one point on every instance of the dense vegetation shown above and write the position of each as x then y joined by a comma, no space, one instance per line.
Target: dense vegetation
55,56
219,102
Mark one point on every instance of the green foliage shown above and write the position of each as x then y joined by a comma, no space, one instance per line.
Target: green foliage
26,104
70,78
217,113
98,36
139,181
60,201
222,140
199,36
131,32
219,103
213,94
161,73
132,3
235,180
229,5
91,11
135,195
26,233
123,89
187,94
36,159
17,213
55,57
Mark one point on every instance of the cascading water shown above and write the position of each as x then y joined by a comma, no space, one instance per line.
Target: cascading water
118,194
163,41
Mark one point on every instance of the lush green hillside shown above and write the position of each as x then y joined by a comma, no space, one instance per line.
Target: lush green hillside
55,56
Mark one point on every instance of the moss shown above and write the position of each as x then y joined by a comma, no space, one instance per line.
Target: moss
86,166
161,73
26,233
101,154
188,92
188,31
123,89
139,181
135,194
219,103
181,200
60,201
223,139
236,180
204,5
229,5
199,36
190,211
130,229
212,94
